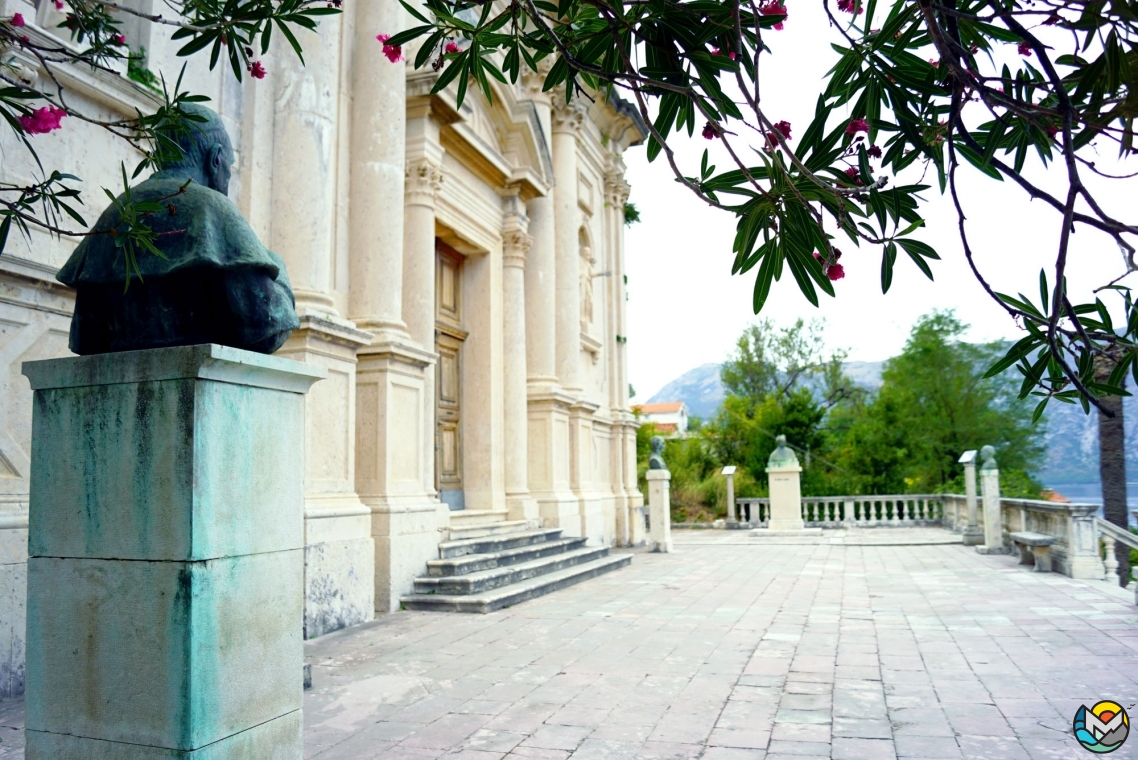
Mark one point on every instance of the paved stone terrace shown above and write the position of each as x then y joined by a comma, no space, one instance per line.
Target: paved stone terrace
732,648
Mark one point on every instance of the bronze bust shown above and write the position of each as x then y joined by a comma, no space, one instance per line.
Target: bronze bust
217,282
656,458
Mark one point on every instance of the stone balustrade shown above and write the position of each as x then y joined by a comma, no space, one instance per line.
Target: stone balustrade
861,511
1075,552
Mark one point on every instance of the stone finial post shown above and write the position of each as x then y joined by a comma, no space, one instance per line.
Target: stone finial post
973,534
729,473
660,510
166,543
993,516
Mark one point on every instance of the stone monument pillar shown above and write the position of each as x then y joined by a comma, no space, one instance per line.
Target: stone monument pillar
659,498
660,510
729,473
783,472
973,534
166,535
993,516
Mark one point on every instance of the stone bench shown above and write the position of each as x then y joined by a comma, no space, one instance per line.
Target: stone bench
1036,546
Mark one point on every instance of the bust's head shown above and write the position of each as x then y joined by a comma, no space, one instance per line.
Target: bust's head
656,444
780,441
207,153
988,457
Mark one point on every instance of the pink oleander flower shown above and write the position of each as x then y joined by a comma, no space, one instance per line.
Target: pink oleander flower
835,271
855,126
850,6
394,53
58,4
1024,49
452,47
18,19
773,8
783,128
42,120
119,39
717,51
709,132
873,151
257,70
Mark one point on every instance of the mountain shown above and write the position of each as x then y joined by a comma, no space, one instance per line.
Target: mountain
1072,436
699,388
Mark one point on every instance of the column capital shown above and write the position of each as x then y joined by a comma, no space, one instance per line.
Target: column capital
423,179
568,117
616,190
533,82
515,246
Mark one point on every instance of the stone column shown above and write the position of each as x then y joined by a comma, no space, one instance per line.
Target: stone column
548,405
541,264
393,398
304,167
993,514
378,159
567,122
516,245
166,536
660,510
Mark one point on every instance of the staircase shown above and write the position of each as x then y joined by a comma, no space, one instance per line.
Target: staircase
486,565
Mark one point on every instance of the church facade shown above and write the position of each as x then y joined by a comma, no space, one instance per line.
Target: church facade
459,271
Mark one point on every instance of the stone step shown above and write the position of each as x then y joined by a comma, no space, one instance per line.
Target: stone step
467,517
485,580
498,543
472,563
496,599
462,530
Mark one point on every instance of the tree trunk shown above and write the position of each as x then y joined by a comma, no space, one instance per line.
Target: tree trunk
1112,469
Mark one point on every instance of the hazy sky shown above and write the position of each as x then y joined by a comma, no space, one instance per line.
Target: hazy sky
685,308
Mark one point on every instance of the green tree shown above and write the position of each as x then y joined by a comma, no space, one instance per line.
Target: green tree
771,361
934,403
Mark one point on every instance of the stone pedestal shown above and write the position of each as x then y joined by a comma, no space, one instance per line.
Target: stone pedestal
166,570
786,501
660,510
993,514
339,553
973,533
729,473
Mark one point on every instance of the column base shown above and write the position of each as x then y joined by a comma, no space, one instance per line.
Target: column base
973,536
406,534
522,506
278,739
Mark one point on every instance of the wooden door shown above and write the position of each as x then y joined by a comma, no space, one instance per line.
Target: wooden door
449,337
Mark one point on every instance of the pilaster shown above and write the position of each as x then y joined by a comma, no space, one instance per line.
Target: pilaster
339,554
516,244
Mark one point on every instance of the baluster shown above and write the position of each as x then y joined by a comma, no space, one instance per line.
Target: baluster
1110,561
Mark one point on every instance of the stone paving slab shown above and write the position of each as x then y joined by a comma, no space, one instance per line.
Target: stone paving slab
731,649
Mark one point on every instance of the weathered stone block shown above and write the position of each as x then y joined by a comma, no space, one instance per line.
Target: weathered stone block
164,654
279,739
339,580
169,468
13,582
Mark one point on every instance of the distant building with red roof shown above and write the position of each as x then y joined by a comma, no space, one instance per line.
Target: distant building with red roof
670,417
